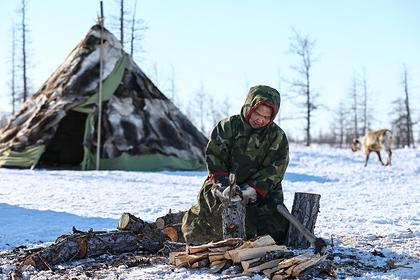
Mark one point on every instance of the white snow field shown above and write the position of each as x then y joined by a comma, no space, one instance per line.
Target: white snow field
370,213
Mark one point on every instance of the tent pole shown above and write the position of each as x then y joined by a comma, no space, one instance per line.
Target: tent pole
101,63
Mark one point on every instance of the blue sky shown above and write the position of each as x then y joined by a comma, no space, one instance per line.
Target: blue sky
227,46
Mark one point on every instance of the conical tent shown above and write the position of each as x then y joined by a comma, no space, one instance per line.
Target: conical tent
141,128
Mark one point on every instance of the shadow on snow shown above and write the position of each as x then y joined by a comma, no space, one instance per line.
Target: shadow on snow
23,226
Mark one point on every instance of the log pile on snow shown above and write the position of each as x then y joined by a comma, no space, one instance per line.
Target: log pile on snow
259,256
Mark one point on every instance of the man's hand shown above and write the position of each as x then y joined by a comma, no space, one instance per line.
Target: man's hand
249,195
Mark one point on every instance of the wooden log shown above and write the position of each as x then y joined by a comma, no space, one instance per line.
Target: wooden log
270,271
176,232
265,240
305,208
169,219
79,246
216,257
201,263
233,219
308,263
273,255
230,242
172,256
217,266
295,260
266,265
251,253
171,233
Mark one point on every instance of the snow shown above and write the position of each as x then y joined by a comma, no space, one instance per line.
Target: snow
370,212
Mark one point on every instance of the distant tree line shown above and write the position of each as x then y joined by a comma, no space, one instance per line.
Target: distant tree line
352,117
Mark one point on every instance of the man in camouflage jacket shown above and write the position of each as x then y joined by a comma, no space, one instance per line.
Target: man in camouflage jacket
257,151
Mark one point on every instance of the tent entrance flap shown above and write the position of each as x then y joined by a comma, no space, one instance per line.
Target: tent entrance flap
66,147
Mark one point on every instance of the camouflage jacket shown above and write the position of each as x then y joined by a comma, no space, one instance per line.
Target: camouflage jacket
258,157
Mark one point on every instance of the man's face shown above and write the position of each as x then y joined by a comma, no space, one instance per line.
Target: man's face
260,117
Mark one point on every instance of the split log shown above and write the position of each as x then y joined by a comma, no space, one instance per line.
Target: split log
305,208
308,263
273,255
294,266
251,253
233,219
169,219
263,266
231,242
91,244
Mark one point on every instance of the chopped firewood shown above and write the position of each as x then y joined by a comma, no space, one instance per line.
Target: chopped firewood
195,258
201,263
265,240
294,266
173,255
295,260
217,266
216,257
266,265
234,242
250,253
169,219
310,262
171,233
249,263
269,271
220,250
269,256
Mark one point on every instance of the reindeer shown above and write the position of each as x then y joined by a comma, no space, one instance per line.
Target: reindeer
374,141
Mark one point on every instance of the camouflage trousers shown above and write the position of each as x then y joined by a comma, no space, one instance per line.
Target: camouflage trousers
203,222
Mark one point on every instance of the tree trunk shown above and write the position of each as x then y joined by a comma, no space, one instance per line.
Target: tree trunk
233,219
305,208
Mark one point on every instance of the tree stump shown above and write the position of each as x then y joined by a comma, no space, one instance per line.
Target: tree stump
305,208
233,219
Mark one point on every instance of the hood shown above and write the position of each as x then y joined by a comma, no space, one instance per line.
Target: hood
260,95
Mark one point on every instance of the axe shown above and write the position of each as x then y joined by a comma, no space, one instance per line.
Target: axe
318,243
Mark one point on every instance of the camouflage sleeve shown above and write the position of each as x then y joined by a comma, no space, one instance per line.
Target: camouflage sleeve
218,151
273,167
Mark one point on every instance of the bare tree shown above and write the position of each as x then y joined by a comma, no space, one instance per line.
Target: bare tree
365,105
303,47
408,122
122,15
355,107
199,99
138,28
24,33
339,125
172,87
13,90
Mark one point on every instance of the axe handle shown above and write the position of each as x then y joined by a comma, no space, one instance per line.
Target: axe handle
292,219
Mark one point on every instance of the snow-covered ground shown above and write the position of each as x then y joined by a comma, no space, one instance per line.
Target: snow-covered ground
372,213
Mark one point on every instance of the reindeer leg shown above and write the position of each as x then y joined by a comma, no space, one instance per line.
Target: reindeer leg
380,158
367,158
388,162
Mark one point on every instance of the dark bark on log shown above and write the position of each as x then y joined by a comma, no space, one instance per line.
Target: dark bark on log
169,219
233,219
91,244
138,226
305,208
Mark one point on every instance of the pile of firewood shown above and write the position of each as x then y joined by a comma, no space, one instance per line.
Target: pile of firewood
259,256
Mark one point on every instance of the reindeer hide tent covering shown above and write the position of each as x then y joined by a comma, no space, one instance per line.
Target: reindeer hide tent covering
141,128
